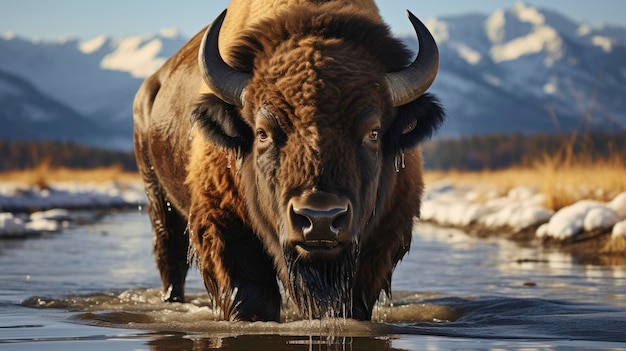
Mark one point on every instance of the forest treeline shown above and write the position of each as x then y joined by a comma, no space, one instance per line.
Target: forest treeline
493,152
501,151
20,155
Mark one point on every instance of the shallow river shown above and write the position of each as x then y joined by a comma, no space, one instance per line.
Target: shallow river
95,287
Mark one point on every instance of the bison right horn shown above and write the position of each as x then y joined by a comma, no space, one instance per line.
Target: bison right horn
410,83
224,81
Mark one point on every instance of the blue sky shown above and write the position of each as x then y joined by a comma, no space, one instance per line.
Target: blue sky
85,19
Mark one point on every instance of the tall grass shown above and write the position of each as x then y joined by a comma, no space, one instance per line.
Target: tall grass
43,175
563,177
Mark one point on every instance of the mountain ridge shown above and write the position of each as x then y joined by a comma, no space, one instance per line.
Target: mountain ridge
517,69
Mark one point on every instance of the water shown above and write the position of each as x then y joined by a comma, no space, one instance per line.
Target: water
96,287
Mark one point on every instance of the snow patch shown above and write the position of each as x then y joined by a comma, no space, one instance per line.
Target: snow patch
8,36
618,204
140,60
492,80
455,206
542,38
583,29
585,215
606,44
17,197
93,45
569,220
494,26
438,29
550,88
600,218
468,54
169,33
528,14
619,230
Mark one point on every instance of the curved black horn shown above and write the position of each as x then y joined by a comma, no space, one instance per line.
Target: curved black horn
225,82
410,83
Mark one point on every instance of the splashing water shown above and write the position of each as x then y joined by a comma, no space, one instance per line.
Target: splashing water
399,162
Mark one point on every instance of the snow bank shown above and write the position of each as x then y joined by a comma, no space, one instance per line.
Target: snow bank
55,204
619,230
71,195
522,207
585,216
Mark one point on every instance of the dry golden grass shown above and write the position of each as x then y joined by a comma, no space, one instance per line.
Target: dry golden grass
44,175
563,178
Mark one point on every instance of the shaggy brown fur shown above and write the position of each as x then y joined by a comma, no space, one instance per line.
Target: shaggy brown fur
315,98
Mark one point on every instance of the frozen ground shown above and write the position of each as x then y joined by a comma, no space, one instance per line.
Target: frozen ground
444,203
28,211
522,207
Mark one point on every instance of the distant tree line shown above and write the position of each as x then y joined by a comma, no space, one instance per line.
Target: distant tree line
480,152
505,150
17,155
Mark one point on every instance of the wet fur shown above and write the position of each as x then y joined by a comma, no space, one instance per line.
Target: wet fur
232,226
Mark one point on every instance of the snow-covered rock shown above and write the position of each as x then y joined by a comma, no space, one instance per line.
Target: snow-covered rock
70,195
601,217
619,230
569,220
447,204
57,202
10,225
460,206
585,216
618,204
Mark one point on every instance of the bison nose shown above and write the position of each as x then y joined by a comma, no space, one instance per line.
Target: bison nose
320,226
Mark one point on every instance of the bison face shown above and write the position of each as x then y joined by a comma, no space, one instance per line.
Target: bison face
318,126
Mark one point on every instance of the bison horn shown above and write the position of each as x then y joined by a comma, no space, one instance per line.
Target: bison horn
225,82
410,83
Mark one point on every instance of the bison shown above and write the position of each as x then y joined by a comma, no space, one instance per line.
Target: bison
286,152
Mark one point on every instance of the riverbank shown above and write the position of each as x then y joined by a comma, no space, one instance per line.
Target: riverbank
592,230
592,225
28,210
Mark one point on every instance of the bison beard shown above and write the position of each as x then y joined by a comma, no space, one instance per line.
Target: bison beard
322,288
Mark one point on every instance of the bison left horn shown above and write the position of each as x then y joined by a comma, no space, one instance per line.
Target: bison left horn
410,83
225,82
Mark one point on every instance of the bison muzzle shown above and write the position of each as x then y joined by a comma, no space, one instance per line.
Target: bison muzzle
284,142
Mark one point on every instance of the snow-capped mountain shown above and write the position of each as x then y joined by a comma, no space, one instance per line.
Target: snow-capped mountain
96,78
26,113
526,70
520,69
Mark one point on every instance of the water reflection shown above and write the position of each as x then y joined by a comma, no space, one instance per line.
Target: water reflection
269,342
451,291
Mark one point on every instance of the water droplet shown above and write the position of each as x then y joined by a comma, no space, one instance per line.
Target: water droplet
193,127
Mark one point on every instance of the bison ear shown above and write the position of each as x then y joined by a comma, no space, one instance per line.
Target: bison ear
416,122
222,124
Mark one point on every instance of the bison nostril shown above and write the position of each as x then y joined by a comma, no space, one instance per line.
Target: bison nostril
299,221
341,221
320,227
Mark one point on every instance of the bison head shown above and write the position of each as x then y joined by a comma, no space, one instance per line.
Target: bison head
319,107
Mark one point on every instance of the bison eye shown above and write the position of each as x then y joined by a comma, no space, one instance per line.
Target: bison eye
262,135
373,135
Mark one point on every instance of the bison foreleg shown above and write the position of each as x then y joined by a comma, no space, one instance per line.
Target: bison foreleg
235,268
171,243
